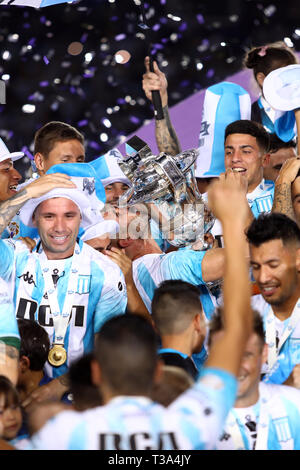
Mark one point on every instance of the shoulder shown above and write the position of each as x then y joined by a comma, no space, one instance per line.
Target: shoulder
280,392
149,260
102,261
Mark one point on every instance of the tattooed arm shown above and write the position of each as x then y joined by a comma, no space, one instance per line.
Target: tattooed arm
9,361
166,138
37,188
52,391
283,200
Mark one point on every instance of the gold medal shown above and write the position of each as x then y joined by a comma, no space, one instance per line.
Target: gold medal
57,355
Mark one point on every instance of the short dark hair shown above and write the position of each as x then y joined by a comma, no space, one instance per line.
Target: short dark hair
51,133
273,226
126,350
216,324
270,57
174,305
7,388
35,343
277,144
257,130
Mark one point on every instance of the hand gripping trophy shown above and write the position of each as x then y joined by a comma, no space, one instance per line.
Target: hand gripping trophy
167,185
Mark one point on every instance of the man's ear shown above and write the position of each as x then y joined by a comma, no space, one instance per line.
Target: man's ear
266,159
33,217
298,260
125,242
158,371
265,353
24,364
39,161
95,373
260,77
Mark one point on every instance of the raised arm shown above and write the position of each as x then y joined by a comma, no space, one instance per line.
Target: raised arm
228,203
166,138
37,188
283,201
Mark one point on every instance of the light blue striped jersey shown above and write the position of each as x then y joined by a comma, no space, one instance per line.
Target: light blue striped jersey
9,332
193,421
261,199
149,271
283,428
100,294
288,355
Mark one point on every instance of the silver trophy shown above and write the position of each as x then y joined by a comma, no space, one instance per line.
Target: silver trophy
167,185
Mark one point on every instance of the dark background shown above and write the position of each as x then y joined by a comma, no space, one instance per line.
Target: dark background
85,93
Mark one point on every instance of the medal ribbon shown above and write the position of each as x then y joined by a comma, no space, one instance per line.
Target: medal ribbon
60,318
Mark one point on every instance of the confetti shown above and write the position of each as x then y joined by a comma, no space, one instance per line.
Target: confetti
82,44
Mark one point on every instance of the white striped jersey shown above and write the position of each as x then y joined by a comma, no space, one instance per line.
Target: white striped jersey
260,200
193,421
100,294
289,353
283,429
9,332
149,271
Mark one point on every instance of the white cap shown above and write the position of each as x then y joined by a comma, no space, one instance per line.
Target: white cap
281,88
111,227
5,154
74,194
108,169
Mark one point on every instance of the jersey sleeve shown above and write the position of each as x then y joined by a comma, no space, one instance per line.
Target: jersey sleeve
7,254
113,299
9,332
185,265
291,400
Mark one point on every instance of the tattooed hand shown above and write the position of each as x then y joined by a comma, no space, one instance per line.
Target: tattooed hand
166,138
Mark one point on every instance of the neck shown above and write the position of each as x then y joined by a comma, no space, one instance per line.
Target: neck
57,256
107,394
180,343
145,247
249,399
254,184
285,309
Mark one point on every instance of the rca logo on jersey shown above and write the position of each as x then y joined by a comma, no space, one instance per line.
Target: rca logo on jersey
83,284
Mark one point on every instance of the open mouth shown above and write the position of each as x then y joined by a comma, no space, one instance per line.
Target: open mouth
239,170
267,291
13,188
241,378
61,239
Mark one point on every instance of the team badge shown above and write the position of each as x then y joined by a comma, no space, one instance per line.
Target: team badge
83,284
14,229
